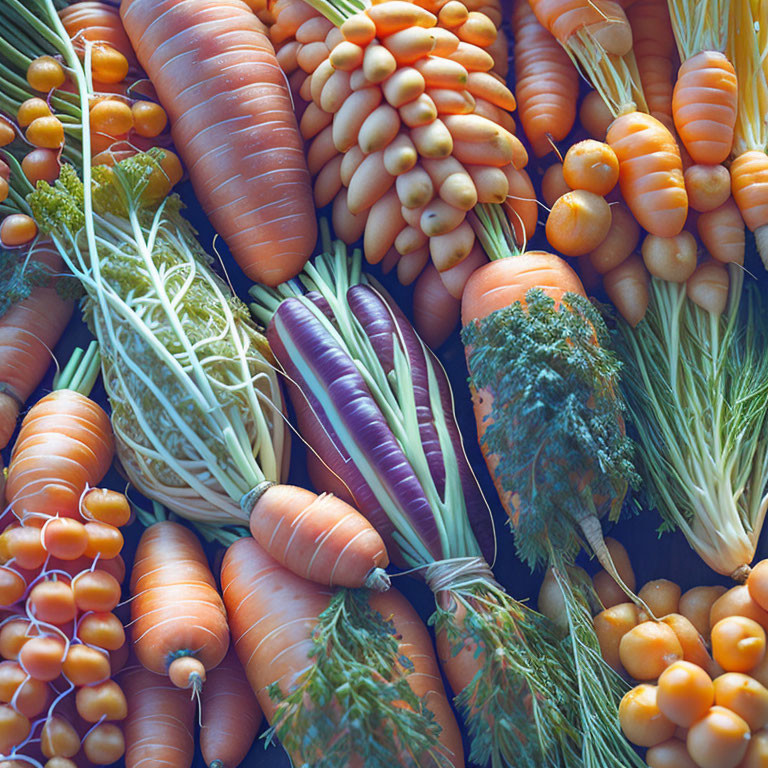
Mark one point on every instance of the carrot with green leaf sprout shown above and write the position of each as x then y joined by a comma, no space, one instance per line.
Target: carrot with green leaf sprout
549,422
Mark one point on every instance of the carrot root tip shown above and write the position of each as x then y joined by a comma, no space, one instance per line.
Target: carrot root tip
377,580
761,239
741,574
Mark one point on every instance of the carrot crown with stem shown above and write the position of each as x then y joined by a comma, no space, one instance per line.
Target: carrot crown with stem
696,386
81,371
748,49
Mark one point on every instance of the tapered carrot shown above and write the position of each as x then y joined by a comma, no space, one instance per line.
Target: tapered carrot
179,624
273,615
722,233
654,47
65,445
230,713
435,310
547,83
159,729
242,147
28,332
341,548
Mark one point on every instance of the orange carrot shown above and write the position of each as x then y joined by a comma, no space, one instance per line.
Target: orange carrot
722,233
179,623
231,716
243,152
341,547
159,729
547,83
28,332
273,615
602,20
650,172
435,310
65,444
654,47
704,106
98,23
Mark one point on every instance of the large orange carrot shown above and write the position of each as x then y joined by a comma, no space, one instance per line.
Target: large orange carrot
216,74
654,46
320,538
650,172
65,444
230,715
274,617
159,729
28,332
547,83
98,23
178,618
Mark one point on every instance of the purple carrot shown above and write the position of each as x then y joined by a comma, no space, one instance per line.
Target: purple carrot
318,363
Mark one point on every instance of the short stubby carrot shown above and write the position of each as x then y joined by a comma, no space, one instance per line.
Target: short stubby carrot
547,83
650,172
28,332
320,538
179,623
749,186
704,106
216,74
65,444
160,726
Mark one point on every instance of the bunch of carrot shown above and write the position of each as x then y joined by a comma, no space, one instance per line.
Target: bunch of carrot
699,659
60,582
409,126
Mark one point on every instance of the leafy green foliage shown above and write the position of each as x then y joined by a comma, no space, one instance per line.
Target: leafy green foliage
18,276
517,705
355,698
556,416
696,387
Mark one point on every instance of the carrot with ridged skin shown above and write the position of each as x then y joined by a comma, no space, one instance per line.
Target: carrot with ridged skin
547,83
65,444
273,613
29,330
704,106
722,232
749,186
603,20
178,618
241,145
654,46
159,729
98,23
650,172
231,716
320,538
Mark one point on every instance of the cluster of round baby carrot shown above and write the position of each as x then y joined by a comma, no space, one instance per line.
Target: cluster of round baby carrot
702,695
60,641
409,123
121,123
